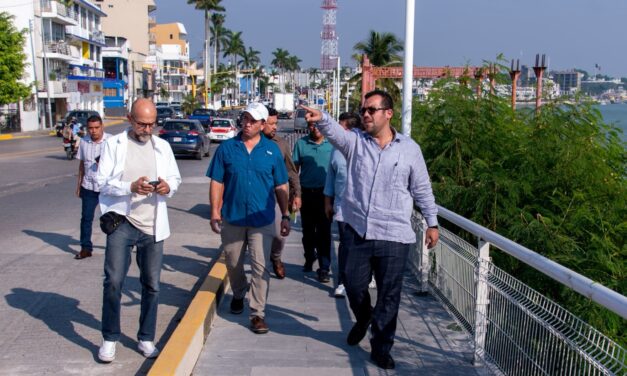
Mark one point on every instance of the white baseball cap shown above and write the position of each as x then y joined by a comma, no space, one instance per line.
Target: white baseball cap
257,110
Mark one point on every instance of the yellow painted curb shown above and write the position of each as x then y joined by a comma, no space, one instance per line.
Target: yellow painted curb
114,123
6,137
180,354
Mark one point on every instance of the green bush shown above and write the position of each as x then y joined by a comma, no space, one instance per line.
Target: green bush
553,182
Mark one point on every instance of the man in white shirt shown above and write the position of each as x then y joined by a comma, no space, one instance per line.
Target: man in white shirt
137,173
87,189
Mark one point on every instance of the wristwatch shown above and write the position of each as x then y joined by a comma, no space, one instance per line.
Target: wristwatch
435,227
285,217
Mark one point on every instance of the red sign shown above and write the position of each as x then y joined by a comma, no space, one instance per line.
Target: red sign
83,87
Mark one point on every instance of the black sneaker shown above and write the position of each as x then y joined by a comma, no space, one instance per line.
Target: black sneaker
358,332
323,276
237,306
384,361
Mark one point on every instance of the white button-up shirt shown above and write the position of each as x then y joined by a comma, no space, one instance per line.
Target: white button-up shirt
115,194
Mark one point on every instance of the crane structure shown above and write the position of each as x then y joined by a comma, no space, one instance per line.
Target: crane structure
329,51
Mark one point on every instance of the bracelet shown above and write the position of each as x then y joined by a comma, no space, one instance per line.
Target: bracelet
285,217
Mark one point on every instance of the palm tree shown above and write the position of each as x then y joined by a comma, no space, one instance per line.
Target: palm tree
250,60
235,48
382,48
280,62
293,66
190,103
219,37
209,7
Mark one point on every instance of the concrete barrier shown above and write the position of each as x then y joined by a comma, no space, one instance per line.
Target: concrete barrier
181,352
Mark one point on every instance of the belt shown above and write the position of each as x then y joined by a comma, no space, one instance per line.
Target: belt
311,190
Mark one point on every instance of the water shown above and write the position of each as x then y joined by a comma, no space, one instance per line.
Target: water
616,114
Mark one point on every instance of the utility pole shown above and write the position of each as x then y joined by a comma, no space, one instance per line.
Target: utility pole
46,72
408,67
31,29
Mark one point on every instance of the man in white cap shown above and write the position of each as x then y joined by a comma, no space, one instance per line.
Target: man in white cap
247,172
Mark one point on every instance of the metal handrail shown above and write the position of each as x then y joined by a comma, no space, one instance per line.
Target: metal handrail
596,292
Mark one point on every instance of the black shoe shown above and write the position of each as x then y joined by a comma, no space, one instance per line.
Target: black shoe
384,361
308,267
323,276
358,332
237,306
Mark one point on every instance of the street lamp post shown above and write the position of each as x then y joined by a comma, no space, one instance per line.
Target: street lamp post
408,66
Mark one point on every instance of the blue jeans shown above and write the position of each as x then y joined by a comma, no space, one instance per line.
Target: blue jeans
117,261
89,200
387,259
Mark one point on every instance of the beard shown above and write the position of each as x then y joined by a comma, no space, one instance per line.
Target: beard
143,138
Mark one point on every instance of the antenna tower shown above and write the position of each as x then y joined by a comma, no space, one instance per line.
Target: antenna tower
328,53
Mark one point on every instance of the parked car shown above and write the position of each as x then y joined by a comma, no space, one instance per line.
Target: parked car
178,112
204,115
162,104
80,115
299,119
164,113
222,129
186,137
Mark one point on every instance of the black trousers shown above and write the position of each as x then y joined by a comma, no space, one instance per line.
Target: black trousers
316,228
387,260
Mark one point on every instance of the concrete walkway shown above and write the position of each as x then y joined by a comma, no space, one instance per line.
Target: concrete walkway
308,328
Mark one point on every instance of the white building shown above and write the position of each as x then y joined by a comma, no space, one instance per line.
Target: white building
64,58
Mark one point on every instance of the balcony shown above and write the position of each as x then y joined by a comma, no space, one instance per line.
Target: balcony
57,89
78,72
152,21
58,13
95,37
57,50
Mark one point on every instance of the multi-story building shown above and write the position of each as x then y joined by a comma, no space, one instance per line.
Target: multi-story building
64,57
85,75
171,60
131,20
115,64
568,80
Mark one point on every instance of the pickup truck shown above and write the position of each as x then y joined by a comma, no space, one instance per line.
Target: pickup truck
204,116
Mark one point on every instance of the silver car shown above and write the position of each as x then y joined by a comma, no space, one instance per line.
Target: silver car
299,119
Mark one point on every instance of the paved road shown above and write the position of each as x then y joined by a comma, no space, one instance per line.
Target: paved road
51,304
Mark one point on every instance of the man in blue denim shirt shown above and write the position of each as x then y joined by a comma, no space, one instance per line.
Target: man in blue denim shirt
386,175
247,172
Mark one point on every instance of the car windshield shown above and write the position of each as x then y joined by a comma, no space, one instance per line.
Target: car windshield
176,108
221,123
180,126
203,111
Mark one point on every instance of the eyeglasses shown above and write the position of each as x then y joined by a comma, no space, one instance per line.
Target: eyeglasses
371,110
144,125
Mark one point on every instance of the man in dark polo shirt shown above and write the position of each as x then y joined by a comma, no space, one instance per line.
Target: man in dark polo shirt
269,130
312,154
247,172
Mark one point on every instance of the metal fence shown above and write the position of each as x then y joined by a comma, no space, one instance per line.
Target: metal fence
515,329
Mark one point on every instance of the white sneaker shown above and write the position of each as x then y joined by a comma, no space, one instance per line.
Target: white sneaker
340,291
148,349
372,284
107,351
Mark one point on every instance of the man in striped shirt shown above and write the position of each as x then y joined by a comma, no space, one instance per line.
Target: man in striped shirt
87,188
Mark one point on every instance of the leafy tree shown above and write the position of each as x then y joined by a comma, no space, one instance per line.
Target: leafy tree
554,182
190,103
12,61
280,62
220,37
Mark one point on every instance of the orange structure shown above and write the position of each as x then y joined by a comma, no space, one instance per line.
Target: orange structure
370,73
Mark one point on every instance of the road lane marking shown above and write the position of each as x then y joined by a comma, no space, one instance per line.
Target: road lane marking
31,152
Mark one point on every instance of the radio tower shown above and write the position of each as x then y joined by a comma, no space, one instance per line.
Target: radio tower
328,53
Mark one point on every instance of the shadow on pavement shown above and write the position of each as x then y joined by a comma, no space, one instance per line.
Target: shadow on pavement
60,313
201,210
61,241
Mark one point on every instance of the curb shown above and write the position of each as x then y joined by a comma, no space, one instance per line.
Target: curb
181,352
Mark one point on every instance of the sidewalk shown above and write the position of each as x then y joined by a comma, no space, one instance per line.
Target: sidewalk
51,132
308,329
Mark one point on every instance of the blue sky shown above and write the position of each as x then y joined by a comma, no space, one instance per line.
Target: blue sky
572,33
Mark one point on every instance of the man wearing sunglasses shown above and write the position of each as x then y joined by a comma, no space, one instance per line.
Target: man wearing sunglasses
137,173
386,176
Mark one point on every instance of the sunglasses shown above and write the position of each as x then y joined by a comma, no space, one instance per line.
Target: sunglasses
371,110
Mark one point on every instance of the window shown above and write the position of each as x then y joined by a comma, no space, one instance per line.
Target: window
110,92
171,36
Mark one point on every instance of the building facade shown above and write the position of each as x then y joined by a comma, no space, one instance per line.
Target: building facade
130,20
171,61
569,81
